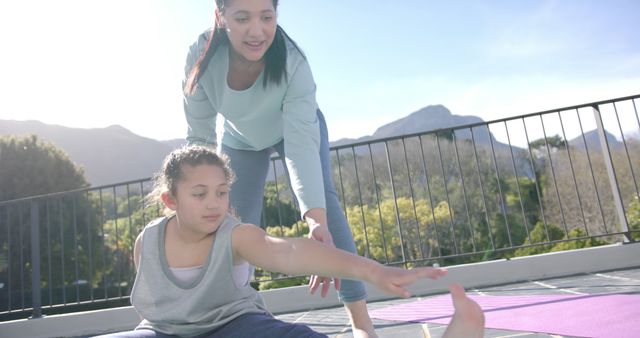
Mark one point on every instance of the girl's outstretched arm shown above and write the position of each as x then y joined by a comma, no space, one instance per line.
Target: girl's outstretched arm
303,256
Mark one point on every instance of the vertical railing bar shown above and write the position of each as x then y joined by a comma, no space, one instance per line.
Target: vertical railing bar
49,253
446,192
272,274
503,204
626,149
635,110
484,196
344,197
536,181
62,265
117,240
395,202
413,201
375,186
515,172
75,246
22,267
131,271
9,277
36,296
143,211
142,205
278,206
89,210
263,216
613,179
367,252
573,173
593,178
553,177
431,206
4,208
464,190
105,281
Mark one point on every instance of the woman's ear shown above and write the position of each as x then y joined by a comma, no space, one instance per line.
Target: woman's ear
168,200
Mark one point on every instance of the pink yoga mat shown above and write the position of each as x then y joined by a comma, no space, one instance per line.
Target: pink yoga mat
614,315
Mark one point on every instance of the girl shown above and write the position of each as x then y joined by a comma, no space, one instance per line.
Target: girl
194,265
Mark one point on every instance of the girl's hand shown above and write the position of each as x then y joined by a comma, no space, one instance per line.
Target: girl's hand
321,234
395,280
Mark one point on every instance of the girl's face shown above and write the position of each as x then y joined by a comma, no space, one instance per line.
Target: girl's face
251,27
201,199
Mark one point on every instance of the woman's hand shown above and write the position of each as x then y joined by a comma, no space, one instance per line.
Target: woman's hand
321,234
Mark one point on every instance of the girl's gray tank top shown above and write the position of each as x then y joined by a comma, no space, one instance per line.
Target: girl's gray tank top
209,302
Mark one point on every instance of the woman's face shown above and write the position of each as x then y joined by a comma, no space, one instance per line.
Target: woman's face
250,26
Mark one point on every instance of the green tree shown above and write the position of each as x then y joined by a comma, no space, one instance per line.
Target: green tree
279,208
541,233
377,230
582,241
633,218
67,222
551,232
30,167
554,141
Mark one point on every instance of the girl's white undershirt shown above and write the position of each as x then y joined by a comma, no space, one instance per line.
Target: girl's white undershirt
188,275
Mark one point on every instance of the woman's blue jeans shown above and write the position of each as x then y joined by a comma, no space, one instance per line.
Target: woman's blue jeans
251,168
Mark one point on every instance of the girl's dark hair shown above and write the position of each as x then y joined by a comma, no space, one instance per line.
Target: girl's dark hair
168,177
275,58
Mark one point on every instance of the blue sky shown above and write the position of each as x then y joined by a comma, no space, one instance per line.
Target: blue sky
89,63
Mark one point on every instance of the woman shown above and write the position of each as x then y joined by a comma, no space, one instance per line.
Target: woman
247,69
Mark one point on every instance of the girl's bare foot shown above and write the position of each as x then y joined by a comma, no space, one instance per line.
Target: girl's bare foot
468,319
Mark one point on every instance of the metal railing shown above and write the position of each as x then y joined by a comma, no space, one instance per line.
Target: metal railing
551,180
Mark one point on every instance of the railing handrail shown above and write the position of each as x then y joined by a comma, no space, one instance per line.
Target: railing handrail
73,191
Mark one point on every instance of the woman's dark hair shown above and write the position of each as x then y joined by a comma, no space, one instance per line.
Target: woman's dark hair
275,58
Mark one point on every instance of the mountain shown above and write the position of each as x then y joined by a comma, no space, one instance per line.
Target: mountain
425,119
429,118
592,140
108,155
435,117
